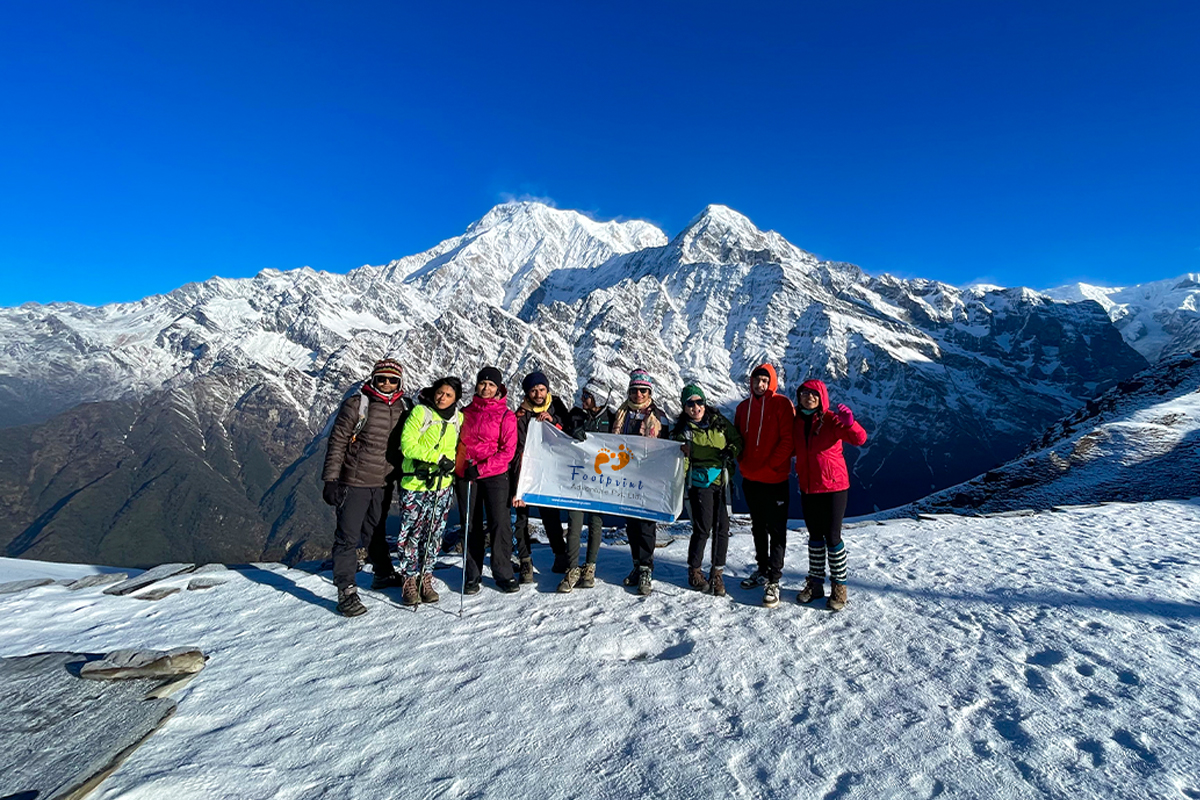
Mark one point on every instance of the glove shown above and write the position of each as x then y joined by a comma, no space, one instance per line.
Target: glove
332,493
471,473
445,466
844,415
581,435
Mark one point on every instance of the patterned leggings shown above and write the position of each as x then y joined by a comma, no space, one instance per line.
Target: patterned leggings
423,518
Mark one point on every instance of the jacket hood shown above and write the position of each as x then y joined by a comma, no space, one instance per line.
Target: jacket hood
818,387
773,381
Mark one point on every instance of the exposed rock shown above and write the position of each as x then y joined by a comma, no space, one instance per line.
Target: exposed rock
20,586
61,735
101,579
159,593
206,582
148,577
127,664
210,568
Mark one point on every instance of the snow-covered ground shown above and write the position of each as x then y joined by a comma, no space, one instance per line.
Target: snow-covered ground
1050,655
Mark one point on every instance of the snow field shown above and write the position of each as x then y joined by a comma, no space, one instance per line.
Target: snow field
1049,655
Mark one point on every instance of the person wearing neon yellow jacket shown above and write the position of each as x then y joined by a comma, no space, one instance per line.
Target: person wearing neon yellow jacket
428,441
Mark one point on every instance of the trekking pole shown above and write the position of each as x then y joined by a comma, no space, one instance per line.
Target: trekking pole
466,527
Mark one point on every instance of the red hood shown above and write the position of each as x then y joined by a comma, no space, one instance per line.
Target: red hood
772,385
819,388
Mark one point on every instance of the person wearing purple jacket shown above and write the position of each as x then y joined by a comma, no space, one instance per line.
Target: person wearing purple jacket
486,446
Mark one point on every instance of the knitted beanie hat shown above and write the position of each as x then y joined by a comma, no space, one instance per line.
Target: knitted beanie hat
690,391
489,374
760,371
388,367
596,388
535,378
640,379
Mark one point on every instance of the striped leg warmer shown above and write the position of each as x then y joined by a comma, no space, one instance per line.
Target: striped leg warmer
837,563
816,559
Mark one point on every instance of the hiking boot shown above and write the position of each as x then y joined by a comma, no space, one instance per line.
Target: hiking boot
814,589
561,564
569,581
526,570
632,578
643,584
696,579
348,603
410,593
587,577
428,594
509,586
756,578
771,595
386,580
472,587
716,581
837,597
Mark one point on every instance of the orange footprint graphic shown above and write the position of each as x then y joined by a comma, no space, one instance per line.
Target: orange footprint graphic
602,458
622,457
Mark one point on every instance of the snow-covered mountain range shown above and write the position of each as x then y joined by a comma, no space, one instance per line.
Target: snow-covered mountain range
214,396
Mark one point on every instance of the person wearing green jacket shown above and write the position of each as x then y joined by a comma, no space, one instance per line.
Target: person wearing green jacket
711,444
428,441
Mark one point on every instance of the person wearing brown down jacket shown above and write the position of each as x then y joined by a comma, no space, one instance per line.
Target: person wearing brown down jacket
356,473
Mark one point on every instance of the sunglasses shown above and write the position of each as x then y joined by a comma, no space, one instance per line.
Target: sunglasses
809,392
382,379
694,403
639,390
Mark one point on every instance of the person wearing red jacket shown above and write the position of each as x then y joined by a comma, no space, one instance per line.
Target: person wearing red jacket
764,420
824,487
486,446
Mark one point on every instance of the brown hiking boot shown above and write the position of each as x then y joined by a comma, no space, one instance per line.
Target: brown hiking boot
716,581
587,579
428,594
837,597
814,589
696,580
569,580
410,594
526,575
645,585
348,603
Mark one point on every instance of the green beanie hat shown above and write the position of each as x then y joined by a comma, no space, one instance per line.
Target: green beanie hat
691,390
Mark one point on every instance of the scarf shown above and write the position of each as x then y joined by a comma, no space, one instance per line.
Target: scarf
650,425
530,407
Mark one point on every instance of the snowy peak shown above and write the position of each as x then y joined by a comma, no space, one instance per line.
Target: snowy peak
504,257
720,235
1158,319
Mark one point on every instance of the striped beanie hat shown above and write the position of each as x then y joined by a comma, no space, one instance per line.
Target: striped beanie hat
640,379
389,367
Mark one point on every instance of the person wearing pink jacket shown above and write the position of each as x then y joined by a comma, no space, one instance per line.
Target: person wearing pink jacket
824,484
486,446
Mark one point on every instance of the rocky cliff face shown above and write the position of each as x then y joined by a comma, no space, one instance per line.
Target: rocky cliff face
205,407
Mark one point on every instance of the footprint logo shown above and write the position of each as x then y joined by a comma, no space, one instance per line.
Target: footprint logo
606,456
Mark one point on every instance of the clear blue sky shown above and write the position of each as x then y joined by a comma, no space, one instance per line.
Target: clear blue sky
148,144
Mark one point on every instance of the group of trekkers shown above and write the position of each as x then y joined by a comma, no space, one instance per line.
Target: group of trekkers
436,455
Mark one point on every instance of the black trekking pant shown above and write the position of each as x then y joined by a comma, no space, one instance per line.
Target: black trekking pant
595,525
357,518
768,504
706,507
823,513
552,521
377,551
642,534
490,494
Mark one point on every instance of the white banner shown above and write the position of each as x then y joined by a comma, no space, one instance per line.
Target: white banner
627,476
